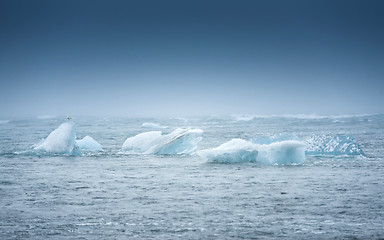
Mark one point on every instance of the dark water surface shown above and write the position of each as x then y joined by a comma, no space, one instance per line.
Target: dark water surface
113,195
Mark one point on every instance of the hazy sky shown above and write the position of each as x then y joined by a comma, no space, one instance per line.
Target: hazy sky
149,58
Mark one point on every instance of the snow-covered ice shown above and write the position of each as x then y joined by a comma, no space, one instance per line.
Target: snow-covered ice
180,141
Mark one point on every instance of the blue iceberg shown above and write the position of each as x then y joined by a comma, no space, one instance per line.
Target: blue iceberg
180,141
239,150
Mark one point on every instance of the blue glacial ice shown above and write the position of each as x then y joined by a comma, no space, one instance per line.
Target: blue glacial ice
332,145
239,150
89,144
180,141
60,141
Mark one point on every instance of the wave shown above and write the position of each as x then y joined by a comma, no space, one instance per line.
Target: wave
46,117
333,145
312,116
275,138
180,141
319,144
4,121
152,125
239,150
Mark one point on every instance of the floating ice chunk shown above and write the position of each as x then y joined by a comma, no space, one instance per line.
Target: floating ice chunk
60,140
180,141
333,145
284,152
141,142
152,125
239,150
89,144
236,150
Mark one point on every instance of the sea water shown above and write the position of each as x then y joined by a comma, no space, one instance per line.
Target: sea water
336,193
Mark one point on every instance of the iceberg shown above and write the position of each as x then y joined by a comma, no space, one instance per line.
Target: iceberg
236,150
180,141
89,144
60,140
141,142
239,150
284,152
333,145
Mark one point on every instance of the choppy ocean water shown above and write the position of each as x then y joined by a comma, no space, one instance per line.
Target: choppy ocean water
117,195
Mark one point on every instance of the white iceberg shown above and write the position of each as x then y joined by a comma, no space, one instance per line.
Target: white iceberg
236,150
239,150
141,142
89,144
60,140
180,141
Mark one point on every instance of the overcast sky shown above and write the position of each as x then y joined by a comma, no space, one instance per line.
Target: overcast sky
180,58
